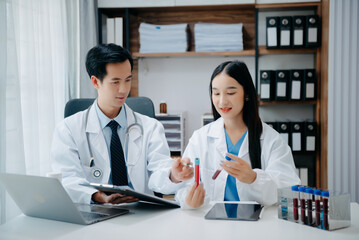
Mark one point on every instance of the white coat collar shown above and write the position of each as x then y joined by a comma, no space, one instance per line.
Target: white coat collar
216,131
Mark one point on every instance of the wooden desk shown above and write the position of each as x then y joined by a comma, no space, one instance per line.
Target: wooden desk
147,223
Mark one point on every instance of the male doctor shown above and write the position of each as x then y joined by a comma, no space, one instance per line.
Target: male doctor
138,157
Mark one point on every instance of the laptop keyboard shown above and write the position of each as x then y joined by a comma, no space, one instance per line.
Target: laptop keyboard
92,215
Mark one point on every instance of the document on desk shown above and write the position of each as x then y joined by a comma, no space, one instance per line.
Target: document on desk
125,190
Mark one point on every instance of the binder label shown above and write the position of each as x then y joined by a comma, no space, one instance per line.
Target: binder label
285,38
312,35
295,90
281,89
309,90
265,91
285,137
272,36
310,143
298,37
296,144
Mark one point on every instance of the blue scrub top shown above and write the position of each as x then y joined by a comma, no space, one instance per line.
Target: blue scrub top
231,193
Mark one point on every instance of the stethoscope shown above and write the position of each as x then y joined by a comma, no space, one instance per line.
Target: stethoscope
97,172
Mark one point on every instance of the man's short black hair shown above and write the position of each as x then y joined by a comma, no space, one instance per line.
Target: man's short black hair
102,54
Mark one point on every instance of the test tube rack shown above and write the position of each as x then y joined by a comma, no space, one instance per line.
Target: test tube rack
331,216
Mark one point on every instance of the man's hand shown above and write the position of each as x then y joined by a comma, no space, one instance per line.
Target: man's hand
181,170
114,198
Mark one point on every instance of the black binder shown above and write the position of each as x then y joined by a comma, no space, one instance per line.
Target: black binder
285,32
284,130
272,31
273,125
312,31
267,85
281,85
310,132
310,84
298,31
297,130
296,85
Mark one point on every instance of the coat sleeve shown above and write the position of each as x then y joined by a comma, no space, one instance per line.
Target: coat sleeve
191,153
160,162
65,159
277,171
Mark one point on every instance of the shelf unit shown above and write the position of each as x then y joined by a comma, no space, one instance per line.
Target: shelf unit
174,131
311,161
232,13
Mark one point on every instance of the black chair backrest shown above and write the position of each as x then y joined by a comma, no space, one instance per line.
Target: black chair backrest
142,105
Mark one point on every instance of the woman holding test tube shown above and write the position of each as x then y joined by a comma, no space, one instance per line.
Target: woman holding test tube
241,157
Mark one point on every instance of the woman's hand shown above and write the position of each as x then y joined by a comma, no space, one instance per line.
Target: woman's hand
195,196
239,169
181,170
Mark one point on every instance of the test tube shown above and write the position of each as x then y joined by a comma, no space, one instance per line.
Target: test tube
196,164
317,196
295,202
309,192
218,171
325,195
303,197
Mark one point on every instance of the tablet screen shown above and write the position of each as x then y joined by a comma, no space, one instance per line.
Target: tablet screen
235,211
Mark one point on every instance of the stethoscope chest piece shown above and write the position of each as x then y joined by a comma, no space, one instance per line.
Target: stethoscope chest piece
96,173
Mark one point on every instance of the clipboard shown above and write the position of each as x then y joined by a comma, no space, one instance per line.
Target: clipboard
125,190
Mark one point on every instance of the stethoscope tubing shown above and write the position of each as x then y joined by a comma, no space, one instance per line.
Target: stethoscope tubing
96,172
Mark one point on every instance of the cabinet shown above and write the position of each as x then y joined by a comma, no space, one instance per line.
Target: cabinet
311,57
249,15
174,131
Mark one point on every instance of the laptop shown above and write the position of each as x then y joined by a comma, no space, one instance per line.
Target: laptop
45,197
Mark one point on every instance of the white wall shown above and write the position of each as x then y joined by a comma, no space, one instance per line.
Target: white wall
183,82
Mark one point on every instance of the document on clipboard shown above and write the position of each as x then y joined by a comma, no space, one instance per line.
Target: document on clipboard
125,190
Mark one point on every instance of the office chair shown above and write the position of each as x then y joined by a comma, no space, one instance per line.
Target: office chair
142,105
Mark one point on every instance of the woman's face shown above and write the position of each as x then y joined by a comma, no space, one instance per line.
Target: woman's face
227,96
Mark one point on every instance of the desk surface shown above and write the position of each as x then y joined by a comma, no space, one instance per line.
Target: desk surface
147,223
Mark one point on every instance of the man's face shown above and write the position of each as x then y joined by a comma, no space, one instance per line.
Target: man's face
114,88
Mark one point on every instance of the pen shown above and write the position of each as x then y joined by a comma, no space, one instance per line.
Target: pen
186,164
196,165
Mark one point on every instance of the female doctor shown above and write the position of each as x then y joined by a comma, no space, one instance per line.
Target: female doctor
81,142
259,162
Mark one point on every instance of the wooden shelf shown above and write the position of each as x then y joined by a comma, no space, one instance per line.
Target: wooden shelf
262,50
287,6
194,54
264,103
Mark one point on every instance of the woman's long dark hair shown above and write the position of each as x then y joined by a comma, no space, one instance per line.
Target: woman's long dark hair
239,71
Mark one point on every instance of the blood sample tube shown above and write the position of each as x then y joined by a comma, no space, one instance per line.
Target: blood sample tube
303,197
325,195
309,192
295,202
317,196
219,170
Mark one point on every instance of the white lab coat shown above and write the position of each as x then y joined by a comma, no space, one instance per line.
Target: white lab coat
70,155
209,145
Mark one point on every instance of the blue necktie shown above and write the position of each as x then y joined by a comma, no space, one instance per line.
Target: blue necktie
118,164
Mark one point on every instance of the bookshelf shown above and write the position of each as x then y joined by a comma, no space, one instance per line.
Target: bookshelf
235,13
